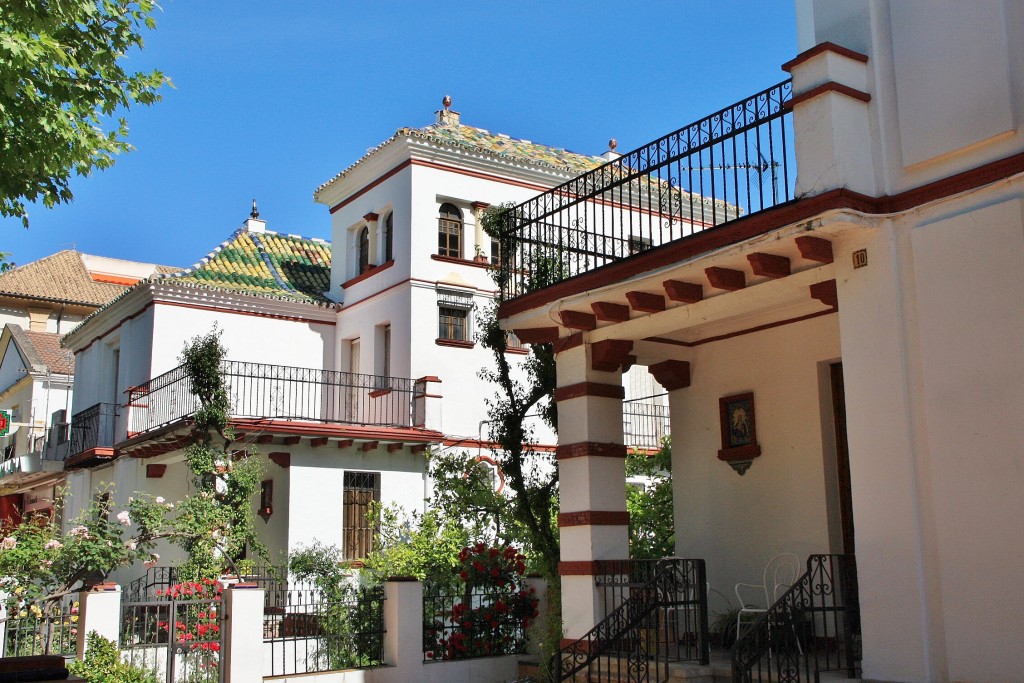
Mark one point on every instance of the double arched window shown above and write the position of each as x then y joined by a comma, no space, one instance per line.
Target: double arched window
449,231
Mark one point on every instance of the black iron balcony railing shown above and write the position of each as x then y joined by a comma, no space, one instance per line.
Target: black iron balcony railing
733,163
94,427
645,422
262,391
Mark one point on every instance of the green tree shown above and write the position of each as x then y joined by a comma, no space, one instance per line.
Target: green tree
62,82
652,531
217,523
5,263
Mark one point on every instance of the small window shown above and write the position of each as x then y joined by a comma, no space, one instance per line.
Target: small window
267,494
389,237
512,341
638,244
452,323
361,491
495,251
449,231
364,249
387,351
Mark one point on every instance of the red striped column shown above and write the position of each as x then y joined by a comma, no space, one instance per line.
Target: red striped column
593,522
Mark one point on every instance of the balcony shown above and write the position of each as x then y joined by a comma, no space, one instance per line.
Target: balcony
258,391
730,165
93,432
645,422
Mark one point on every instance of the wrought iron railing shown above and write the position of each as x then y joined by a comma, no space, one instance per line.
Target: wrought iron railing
52,630
645,422
657,612
814,627
733,163
94,427
309,629
462,621
263,391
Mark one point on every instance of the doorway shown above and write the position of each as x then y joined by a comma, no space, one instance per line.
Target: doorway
842,457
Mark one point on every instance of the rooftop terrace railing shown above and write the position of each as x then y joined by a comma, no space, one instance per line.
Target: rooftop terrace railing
264,391
733,163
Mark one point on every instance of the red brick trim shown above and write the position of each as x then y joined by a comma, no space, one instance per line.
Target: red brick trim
370,217
318,442
608,355
594,518
590,389
345,443
393,447
610,312
566,343
768,265
826,293
456,343
281,459
820,48
291,440
461,261
369,273
737,333
155,471
480,205
686,292
726,278
537,335
419,448
265,438
815,248
372,184
428,378
831,86
578,568
645,302
377,393
369,446
578,320
590,449
671,374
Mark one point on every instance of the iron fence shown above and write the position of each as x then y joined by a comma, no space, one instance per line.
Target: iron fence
462,621
733,163
178,638
814,627
263,391
94,427
309,628
655,613
645,422
53,630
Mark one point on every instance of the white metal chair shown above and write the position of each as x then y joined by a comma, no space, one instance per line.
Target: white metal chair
780,573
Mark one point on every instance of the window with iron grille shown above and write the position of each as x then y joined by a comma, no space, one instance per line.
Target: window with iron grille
452,323
361,490
389,237
449,231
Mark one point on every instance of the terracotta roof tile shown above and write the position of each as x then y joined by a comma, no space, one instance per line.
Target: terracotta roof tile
47,346
60,277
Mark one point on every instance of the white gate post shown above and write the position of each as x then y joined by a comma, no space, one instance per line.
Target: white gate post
403,622
99,610
242,657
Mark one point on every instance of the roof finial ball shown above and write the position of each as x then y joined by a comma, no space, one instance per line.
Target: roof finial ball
612,144
447,102
255,212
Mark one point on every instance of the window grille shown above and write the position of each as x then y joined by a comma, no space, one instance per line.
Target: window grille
452,323
361,490
364,249
389,237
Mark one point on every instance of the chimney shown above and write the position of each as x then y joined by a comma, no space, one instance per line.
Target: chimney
446,116
611,154
253,222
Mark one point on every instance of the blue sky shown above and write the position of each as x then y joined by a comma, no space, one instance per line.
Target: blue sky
271,99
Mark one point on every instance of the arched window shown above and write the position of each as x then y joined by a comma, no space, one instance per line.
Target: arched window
389,236
364,249
449,231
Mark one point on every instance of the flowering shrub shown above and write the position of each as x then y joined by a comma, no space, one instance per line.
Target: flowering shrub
195,625
491,615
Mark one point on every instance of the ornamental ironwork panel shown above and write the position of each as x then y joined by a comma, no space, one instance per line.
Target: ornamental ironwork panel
731,164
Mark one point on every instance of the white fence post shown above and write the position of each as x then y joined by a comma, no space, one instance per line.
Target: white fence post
403,621
242,657
99,610
538,627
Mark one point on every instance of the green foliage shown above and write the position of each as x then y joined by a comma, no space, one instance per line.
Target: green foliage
62,82
413,544
651,522
102,664
39,564
5,263
217,523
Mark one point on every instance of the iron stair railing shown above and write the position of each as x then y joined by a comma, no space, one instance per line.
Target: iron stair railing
814,627
633,643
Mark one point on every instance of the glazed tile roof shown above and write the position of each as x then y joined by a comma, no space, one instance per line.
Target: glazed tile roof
496,144
265,264
61,277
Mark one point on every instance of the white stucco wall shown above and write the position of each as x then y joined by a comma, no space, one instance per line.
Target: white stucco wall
737,523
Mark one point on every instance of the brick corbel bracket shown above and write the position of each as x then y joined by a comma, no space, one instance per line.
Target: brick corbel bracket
671,374
281,459
608,355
